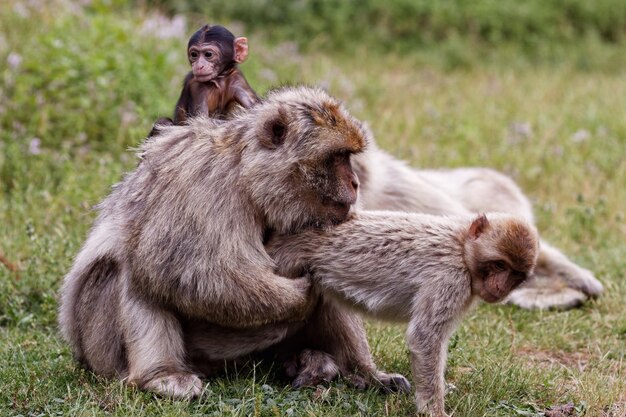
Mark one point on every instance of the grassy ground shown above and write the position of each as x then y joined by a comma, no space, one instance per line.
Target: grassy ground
68,112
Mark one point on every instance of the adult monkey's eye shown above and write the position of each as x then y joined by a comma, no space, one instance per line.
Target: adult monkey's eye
499,265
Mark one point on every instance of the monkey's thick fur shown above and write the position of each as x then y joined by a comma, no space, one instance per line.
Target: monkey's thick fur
163,220
175,262
390,184
416,268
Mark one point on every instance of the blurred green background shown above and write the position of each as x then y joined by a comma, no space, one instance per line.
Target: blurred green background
536,89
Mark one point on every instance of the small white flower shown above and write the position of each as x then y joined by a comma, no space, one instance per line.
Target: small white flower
34,147
519,132
268,75
162,27
580,136
14,60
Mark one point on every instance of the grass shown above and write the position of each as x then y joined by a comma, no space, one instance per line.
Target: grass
559,130
403,24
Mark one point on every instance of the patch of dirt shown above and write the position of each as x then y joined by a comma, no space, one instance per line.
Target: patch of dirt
563,410
572,360
615,410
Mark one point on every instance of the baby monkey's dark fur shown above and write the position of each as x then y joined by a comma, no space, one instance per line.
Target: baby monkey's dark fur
215,83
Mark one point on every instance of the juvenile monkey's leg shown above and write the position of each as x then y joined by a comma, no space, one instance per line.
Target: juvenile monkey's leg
428,347
155,349
339,333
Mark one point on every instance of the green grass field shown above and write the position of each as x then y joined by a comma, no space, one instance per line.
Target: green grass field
78,88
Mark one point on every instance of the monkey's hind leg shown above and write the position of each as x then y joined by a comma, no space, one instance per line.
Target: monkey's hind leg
335,339
428,349
544,293
156,352
553,262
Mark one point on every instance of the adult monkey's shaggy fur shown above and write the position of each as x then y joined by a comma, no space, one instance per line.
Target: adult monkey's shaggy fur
173,276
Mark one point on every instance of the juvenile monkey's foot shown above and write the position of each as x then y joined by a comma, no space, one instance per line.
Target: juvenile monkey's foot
428,406
313,367
392,382
183,386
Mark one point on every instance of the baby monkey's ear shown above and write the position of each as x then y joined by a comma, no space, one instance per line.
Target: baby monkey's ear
240,46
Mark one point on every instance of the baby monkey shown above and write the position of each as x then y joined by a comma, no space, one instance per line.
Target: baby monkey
214,82
422,269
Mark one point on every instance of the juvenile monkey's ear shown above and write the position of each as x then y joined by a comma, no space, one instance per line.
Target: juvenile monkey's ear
478,226
240,46
274,131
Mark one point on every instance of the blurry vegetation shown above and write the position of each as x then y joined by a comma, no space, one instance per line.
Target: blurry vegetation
94,66
405,24
115,71
536,89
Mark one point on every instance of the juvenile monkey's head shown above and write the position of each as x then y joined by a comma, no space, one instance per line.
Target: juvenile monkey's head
500,252
298,165
213,50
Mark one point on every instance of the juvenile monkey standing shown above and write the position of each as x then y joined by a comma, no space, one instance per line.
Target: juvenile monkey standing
422,269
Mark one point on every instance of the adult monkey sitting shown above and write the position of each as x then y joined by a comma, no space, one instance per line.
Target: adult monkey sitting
173,277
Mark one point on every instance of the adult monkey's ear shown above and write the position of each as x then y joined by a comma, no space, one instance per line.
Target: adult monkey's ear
240,46
275,130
